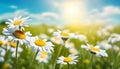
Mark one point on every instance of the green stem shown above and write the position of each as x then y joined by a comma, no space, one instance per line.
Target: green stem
17,54
112,59
60,66
59,51
68,66
42,65
34,58
91,60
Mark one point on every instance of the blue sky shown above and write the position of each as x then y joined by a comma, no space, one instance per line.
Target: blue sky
63,11
33,6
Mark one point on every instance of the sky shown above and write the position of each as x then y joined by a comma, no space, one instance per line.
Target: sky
62,11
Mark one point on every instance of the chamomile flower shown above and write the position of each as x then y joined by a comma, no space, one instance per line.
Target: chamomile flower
95,50
81,37
17,35
41,45
50,30
43,53
69,45
103,32
43,36
12,47
104,45
18,22
63,35
2,54
71,59
114,38
43,56
73,51
56,40
3,41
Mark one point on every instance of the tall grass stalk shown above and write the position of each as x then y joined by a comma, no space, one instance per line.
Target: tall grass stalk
35,54
16,54
91,60
59,51
112,58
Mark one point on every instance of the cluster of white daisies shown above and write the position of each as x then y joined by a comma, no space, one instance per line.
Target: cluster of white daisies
15,35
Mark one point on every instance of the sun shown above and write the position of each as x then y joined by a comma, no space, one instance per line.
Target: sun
72,11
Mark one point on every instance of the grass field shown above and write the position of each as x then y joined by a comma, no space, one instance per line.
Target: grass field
84,57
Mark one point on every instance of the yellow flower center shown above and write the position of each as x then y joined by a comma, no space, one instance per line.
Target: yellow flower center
40,42
12,44
19,34
64,34
44,53
42,56
57,38
18,22
94,49
1,42
68,59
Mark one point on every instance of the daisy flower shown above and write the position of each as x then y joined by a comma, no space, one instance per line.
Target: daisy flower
56,40
73,51
71,59
41,45
2,54
12,47
104,45
95,50
114,38
3,41
17,35
43,57
103,32
79,36
63,35
43,53
82,37
50,30
43,36
69,45
17,22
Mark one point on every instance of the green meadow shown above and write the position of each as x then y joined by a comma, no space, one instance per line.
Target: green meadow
84,56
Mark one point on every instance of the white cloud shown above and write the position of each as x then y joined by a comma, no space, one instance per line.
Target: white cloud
40,17
109,10
93,16
104,15
13,14
13,6
56,4
49,14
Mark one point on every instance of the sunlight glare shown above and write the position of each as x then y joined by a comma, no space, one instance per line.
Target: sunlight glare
72,11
